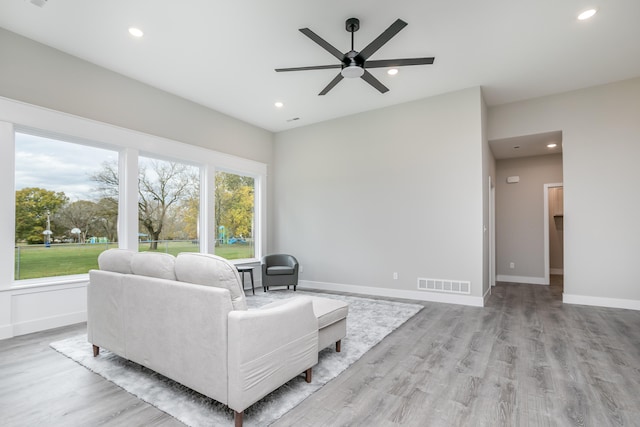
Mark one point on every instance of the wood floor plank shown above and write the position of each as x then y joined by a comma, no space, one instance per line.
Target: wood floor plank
525,359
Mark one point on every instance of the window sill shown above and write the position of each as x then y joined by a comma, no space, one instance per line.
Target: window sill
82,279
48,282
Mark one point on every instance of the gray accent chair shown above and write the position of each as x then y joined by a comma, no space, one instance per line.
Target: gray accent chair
279,270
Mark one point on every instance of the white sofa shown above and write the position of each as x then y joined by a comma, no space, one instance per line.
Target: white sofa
153,309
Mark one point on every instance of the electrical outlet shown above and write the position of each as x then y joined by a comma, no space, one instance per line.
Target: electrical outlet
395,276
512,265
301,269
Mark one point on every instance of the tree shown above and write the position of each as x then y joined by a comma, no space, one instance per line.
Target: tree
107,205
34,207
106,219
162,187
234,204
82,215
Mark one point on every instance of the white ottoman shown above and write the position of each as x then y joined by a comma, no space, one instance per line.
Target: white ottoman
332,321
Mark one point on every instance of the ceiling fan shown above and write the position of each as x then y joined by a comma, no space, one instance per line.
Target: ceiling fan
353,64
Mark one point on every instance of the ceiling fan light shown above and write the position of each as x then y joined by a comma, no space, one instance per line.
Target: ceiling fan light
352,72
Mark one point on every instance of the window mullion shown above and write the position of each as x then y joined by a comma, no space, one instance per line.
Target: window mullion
7,193
128,203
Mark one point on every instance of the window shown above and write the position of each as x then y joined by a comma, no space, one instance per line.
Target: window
63,220
234,215
75,186
168,206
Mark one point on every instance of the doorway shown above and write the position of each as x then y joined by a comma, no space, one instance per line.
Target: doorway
553,230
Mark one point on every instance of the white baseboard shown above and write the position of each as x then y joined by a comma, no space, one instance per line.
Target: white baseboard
628,304
522,279
6,331
394,293
48,323
486,296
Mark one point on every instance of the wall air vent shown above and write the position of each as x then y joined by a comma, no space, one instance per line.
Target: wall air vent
442,285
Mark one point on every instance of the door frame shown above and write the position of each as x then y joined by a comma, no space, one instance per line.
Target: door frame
492,233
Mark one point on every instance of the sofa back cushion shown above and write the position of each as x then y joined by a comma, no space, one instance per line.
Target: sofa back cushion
154,264
116,260
211,270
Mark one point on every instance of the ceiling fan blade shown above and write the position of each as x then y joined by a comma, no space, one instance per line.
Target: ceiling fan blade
315,67
382,38
323,43
398,62
368,77
330,86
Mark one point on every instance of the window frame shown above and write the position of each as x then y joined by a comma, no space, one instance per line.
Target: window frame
129,144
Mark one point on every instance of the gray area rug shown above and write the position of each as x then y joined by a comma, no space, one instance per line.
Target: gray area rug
369,321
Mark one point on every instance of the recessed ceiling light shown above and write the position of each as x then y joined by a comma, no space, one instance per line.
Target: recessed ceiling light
392,71
279,104
587,14
552,145
136,32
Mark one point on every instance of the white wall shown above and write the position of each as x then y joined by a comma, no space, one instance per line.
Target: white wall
601,149
41,76
398,189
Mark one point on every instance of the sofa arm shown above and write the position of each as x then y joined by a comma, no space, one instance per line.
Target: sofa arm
268,347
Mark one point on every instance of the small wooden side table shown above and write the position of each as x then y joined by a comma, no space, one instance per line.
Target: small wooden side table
247,269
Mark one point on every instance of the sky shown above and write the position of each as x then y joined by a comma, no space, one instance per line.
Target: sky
58,166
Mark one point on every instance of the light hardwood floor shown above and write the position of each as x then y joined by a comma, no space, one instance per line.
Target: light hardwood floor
523,360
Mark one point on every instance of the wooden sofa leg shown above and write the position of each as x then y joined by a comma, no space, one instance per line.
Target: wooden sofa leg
96,350
307,376
238,418
338,346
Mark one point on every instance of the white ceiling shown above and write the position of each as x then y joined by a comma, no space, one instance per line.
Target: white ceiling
222,54
527,145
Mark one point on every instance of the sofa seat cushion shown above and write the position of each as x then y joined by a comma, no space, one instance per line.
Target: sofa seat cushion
329,311
154,264
280,270
211,270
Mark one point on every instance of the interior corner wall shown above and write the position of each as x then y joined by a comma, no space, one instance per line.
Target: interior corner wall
394,190
601,134
520,216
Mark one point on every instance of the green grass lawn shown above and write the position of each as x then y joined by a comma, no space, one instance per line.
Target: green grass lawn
60,260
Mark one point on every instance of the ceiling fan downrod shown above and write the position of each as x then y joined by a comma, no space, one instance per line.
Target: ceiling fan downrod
352,25
351,68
